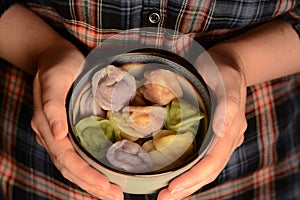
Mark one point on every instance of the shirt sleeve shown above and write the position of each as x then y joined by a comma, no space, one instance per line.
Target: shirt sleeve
293,17
5,4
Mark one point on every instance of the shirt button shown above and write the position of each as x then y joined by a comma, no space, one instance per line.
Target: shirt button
154,18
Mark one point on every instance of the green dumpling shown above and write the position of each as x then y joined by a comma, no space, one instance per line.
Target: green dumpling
96,134
183,117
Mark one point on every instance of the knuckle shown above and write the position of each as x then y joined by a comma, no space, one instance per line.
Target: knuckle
95,191
219,164
233,104
64,172
34,126
59,158
240,142
212,177
244,125
49,104
52,107
39,139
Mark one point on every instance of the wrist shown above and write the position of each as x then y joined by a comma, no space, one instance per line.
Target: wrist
218,64
266,52
57,53
62,56
224,55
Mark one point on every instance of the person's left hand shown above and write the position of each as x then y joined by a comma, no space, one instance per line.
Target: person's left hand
58,68
229,124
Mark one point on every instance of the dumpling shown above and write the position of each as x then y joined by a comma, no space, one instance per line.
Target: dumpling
96,134
183,117
161,86
129,156
145,119
88,107
139,121
169,149
113,88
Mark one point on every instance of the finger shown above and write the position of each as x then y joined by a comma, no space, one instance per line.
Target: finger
37,117
179,194
61,151
224,115
210,166
225,81
58,67
86,177
208,171
39,108
229,102
185,194
203,173
70,164
113,193
39,140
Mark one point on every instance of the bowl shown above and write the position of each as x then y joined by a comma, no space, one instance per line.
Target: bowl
141,118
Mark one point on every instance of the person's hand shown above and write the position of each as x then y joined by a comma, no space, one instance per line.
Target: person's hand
229,124
58,67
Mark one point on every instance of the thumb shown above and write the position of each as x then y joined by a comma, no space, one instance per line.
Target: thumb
230,102
55,86
55,112
59,65
225,112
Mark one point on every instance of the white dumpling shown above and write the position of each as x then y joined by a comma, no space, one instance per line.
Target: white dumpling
88,107
113,88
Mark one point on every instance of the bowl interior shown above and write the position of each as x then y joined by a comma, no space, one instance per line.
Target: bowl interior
195,93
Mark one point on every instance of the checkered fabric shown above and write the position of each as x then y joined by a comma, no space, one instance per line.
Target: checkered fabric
265,166
208,21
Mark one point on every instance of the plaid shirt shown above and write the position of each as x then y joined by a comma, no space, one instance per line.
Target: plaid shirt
207,21
265,166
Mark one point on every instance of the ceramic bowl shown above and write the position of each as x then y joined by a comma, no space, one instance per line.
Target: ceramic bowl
195,89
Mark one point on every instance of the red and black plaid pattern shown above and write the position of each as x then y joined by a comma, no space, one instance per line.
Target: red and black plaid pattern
265,166
206,21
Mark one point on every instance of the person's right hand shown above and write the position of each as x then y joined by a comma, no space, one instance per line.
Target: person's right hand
227,81
58,67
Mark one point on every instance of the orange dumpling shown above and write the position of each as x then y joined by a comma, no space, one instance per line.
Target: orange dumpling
161,86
